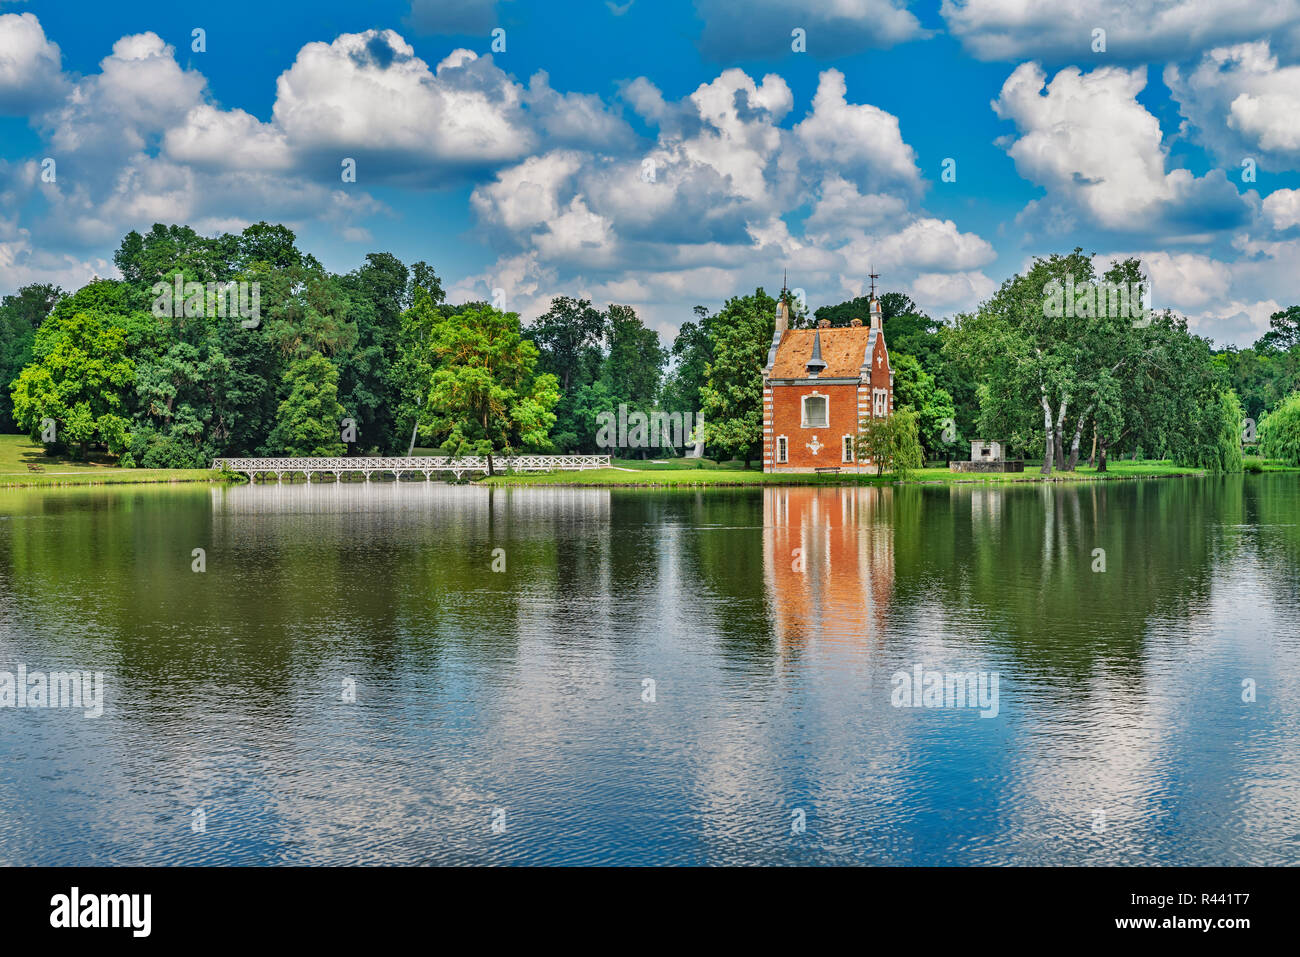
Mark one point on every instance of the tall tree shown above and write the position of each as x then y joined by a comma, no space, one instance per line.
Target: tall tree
569,338
915,390
414,363
377,297
1284,331
21,314
690,355
308,420
485,395
732,396
634,365
79,373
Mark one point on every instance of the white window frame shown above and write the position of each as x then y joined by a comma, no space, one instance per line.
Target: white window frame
880,403
846,448
803,411
782,450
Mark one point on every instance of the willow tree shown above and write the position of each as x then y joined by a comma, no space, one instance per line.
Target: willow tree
1279,433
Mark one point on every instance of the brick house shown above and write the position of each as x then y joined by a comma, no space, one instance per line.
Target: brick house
817,385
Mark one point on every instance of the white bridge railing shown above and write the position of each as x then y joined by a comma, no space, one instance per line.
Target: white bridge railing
428,465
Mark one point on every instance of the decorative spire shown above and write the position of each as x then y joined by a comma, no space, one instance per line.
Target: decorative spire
816,364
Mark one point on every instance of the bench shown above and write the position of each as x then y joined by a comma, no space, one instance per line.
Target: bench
827,468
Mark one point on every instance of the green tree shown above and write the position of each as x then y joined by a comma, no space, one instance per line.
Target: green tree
690,355
1213,439
569,337
1284,331
376,300
891,444
732,397
79,374
485,395
413,365
308,420
915,390
21,314
1279,432
633,367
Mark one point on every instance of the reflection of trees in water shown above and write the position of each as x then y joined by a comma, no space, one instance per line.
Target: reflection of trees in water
1271,510
299,579
311,579
712,582
1019,563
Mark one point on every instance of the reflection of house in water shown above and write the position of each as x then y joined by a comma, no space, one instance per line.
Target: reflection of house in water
829,562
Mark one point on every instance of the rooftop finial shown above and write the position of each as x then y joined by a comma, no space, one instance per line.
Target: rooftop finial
873,276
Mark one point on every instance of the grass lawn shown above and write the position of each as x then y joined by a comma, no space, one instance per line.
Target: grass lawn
19,451
731,474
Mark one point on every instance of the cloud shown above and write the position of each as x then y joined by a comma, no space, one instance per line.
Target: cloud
860,142
1086,139
727,186
712,200
23,262
30,65
142,141
1136,30
942,293
1282,208
1186,282
735,29
139,142
140,92
229,139
574,119
1226,301
367,95
1241,104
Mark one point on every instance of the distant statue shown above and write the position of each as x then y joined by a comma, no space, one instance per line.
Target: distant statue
696,439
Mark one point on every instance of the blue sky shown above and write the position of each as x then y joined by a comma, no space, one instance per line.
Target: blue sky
528,169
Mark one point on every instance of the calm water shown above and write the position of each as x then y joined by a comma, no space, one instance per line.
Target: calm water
523,690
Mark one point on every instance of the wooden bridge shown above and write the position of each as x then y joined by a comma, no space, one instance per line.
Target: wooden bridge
428,465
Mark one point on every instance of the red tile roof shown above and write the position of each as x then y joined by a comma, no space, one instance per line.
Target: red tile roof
844,350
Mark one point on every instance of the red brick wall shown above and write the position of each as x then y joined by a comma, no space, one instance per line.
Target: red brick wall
880,369
786,417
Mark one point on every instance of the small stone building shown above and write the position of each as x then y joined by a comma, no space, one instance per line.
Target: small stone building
988,455
818,384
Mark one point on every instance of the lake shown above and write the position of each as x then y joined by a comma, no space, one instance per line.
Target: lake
435,674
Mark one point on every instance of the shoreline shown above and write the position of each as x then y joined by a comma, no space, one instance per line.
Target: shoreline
664,479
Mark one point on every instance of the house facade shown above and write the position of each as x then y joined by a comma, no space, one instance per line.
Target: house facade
818,384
